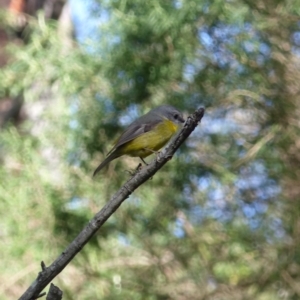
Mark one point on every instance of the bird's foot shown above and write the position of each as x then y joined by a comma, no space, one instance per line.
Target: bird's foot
135,171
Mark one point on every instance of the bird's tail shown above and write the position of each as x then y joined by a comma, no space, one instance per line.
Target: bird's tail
107,160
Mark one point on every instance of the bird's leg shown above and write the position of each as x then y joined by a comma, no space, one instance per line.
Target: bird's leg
153,151
143,161
157,153
138,168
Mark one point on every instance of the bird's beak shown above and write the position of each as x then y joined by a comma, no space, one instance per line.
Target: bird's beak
181,119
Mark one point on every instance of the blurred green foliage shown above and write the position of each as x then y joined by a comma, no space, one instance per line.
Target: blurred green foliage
221,220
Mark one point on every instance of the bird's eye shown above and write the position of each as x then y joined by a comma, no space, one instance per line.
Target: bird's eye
176,116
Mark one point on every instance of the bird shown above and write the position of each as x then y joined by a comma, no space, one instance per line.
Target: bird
146,135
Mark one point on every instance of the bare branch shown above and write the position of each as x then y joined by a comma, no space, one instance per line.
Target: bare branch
48,273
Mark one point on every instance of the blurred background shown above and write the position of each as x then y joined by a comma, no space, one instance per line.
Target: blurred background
221,221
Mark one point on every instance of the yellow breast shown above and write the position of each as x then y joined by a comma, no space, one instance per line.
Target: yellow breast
151,140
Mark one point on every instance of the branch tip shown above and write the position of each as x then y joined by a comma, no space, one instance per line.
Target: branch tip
43,266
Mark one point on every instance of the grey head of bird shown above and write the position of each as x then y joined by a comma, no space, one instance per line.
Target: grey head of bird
169,112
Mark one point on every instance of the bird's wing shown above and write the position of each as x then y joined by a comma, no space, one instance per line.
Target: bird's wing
137,128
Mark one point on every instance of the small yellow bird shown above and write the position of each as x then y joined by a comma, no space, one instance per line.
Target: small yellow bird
146,135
